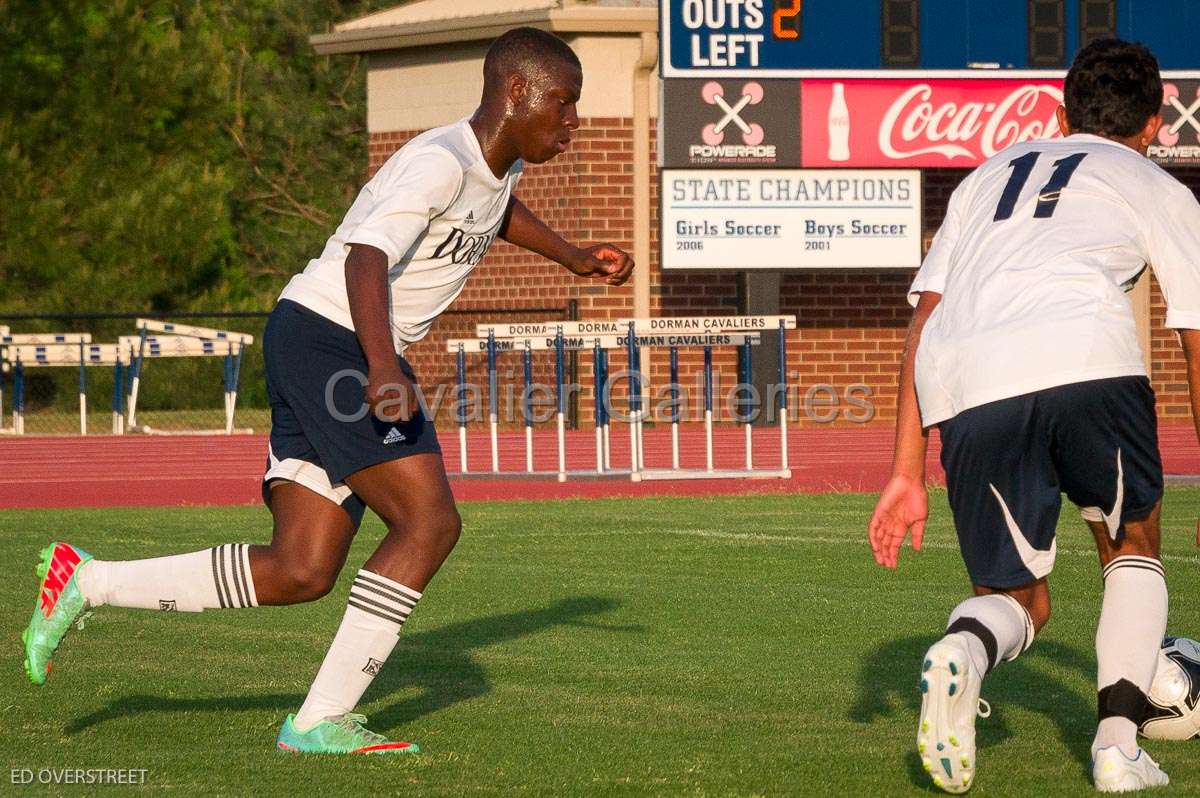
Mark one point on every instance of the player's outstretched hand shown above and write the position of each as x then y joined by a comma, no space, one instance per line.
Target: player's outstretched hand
903,505
391,395
607,261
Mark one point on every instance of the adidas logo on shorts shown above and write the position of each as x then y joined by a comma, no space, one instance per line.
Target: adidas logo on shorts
394,436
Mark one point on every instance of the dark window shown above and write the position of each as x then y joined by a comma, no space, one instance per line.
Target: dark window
901,31
1047,33
1097,20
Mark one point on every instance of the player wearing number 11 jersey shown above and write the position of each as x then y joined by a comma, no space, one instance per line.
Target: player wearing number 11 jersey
1023,351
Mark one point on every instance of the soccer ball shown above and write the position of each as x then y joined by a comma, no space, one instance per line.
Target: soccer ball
1174,712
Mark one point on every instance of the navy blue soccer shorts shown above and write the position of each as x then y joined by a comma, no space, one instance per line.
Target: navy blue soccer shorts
321,428
1009,462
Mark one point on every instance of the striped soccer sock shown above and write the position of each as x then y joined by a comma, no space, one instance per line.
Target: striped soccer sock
1133,619
214,578
375,612
995,627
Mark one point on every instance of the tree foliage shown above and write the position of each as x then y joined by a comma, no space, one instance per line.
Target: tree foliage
167,154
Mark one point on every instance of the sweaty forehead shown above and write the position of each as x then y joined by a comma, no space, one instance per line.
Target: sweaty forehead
560,77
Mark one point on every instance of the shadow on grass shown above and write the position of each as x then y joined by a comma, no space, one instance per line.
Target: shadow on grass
437,662
887,687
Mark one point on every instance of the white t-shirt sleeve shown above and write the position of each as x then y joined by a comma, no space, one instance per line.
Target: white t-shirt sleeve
418,190
1173,249
932,274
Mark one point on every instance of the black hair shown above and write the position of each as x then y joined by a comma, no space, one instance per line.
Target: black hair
523,49
1112,89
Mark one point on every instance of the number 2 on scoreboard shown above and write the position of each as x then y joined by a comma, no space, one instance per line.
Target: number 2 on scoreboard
786,10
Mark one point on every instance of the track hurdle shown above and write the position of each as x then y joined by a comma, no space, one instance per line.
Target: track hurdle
77,354
226,343
601,336
42,339
160,346
603,456
461,362
3,370
636,458
493,347
743,331
704,332
560,336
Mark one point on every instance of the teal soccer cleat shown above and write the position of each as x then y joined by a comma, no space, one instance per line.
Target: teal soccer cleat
59,604
342,735
949,703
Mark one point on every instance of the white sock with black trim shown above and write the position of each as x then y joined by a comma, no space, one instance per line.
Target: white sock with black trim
213,578
1133,619
996,628
375,611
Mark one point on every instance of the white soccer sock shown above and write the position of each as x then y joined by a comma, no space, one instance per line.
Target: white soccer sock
996,627
208,579
1133,619
370,629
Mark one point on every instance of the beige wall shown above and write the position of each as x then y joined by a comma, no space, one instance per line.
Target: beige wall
424,87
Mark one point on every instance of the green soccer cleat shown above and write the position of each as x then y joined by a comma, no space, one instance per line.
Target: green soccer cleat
339,735
59,604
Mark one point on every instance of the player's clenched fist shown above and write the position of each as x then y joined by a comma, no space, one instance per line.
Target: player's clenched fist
604,260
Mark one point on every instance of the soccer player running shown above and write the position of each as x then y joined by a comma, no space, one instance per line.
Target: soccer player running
1023,352
399,258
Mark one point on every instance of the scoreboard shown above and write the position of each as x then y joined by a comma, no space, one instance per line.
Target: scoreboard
793,133
786,38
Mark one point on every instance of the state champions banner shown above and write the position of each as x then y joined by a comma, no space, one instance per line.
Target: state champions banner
749,219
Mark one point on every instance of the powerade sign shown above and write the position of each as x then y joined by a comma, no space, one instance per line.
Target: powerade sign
735,122
728,35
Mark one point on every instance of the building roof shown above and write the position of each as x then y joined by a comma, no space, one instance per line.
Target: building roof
423,22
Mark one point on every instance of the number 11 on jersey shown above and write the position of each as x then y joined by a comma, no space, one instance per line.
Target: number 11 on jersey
1048,197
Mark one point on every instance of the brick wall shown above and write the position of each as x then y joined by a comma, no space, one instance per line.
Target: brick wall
1168,369
851,323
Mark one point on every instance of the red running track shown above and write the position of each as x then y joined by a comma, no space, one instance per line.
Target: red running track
105,471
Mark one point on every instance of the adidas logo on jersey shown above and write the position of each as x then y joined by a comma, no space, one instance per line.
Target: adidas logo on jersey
394,436
470,218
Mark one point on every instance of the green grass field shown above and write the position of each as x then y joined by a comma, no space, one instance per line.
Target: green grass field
732,646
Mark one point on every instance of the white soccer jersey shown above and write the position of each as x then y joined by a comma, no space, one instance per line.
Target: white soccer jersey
1038,249
434,208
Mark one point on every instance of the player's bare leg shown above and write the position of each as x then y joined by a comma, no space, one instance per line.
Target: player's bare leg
311,537
308,548
309,542
413,498
1133,619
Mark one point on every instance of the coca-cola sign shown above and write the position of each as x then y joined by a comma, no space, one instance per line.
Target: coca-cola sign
937,122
